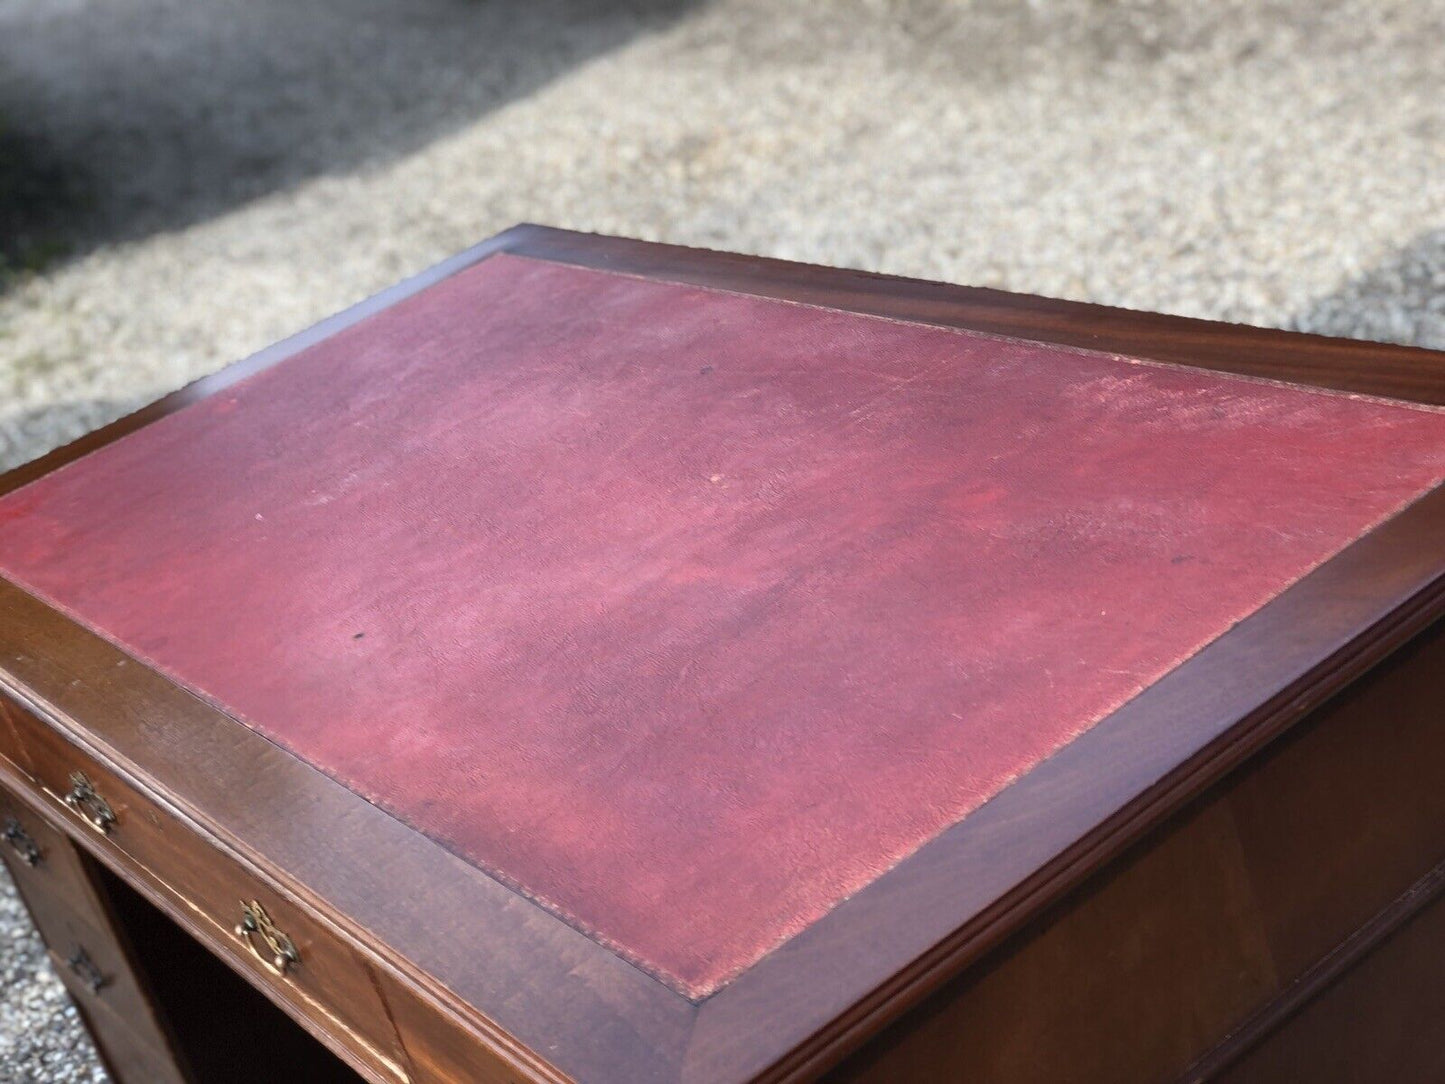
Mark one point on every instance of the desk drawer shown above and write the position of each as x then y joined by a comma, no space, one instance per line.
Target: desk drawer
39,857
83,946
130,1054
90,961
443,1050
10,749
86,948
278,946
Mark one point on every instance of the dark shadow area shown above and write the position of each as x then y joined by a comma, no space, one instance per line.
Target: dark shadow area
124,119
38,195
1401,300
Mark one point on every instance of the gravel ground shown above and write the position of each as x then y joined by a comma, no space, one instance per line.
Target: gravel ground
40,1034
188,180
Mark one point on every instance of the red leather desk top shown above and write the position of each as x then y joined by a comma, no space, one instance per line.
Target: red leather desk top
689,613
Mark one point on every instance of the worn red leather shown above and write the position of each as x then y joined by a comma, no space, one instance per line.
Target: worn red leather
689,613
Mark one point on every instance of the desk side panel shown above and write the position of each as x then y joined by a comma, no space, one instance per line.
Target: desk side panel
1196,936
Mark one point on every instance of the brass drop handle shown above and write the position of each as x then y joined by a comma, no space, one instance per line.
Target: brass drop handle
280,955
84,968
93,809
20,841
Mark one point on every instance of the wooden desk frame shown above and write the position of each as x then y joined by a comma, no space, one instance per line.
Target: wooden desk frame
549,1003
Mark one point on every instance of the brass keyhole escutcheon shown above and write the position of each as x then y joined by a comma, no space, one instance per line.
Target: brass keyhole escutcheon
280,955
93,809
20,842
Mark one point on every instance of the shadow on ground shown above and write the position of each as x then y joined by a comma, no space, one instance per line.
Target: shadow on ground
1401,300
38,193
162,114
121,119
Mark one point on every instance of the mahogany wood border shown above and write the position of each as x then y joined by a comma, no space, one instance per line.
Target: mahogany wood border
555,1003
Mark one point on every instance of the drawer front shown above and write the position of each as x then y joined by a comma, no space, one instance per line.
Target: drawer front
85,948
39,857
90,962
442,1049
282,949
130,1058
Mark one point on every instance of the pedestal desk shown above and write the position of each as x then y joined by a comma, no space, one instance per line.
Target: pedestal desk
603,661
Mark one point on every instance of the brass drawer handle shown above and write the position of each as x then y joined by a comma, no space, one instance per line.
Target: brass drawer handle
93,809
84,968
255,922
20,841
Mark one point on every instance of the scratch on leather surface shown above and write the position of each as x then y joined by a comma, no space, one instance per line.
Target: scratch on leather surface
689,613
